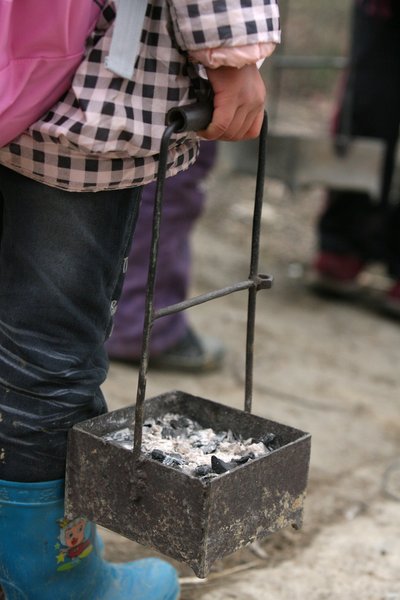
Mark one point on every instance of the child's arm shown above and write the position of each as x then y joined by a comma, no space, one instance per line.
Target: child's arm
229,37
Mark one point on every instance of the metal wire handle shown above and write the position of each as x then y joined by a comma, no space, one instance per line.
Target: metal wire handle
194,118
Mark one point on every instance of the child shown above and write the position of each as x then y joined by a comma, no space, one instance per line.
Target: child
63,257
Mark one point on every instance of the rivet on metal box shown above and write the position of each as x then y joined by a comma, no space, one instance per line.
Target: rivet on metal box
195,520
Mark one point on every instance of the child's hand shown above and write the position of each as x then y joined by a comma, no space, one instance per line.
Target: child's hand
239,98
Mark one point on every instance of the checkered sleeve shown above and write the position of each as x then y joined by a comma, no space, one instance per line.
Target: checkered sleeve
224,23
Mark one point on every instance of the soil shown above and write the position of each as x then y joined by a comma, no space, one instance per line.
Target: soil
323,366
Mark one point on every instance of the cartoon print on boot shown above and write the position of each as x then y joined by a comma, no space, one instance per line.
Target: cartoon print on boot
75,542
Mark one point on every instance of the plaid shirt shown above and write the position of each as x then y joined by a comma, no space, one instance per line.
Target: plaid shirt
105,132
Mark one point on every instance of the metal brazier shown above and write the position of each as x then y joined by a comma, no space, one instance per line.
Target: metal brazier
189,519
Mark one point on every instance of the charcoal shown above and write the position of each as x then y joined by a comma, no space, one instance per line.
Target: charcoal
121,436
173,461
202,470
210,448
275,444
180,442
180,433
180,423
177,456
267,438
197,444
170,433
244,459
219,466
183,422
271,441
158,455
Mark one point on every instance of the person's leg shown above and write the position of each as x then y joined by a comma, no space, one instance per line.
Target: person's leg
393,241
391,300
184,198
351,227
183,203
61,263
61,259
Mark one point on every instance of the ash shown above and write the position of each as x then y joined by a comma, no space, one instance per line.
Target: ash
182,443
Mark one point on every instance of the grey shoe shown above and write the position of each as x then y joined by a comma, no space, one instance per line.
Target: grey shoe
193,353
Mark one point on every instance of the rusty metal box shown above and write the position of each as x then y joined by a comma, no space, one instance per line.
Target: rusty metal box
186,518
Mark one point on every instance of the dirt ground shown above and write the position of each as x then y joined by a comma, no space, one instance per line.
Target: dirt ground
329,368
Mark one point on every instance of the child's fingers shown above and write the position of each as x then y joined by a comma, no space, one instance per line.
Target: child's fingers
234,125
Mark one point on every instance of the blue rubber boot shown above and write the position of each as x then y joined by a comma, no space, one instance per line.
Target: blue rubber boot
46,557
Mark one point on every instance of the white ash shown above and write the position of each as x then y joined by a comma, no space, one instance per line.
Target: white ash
180,442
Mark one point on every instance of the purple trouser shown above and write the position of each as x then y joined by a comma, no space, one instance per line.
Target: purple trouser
183,203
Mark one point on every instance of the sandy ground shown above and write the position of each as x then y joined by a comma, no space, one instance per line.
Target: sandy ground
326,367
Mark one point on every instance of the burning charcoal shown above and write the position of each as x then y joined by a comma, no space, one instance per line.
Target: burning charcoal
202,470
271,441
158,455
182,443
210,448
219,466
244,459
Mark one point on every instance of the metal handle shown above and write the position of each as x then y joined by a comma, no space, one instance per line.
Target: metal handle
196,117
193,117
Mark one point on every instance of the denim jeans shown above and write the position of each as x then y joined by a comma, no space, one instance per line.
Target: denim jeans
62,260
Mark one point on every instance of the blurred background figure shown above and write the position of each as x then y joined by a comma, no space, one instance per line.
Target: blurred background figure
174,343
354,229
